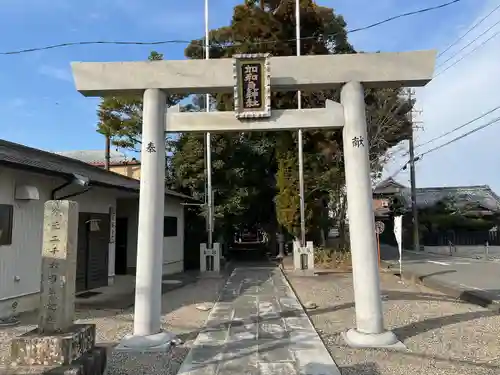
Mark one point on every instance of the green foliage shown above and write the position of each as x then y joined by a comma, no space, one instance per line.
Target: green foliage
332,258
120,118
446,215
287,200
255,175
397,206
269,26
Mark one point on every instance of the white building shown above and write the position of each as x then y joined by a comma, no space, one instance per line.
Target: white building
108,218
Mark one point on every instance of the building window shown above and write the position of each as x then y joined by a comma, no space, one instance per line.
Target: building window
169,226
6,213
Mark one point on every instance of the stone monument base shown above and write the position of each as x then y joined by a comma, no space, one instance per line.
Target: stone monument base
91,363
70,352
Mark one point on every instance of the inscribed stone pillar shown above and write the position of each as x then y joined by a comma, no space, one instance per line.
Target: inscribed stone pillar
210,256
300,251
57,296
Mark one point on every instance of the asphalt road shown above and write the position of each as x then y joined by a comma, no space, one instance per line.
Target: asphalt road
461,273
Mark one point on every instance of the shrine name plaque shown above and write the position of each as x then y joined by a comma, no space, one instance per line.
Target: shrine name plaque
252,86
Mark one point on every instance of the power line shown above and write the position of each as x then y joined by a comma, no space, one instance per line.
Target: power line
401,169
468,44
424,10
455,129
458,127
420,156
467,54
492,122
236,43
468,31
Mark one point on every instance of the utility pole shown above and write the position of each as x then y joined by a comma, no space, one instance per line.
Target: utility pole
414,210
107,152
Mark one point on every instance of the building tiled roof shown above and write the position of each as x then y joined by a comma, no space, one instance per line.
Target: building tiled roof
23,157
97,157
480,195
389,183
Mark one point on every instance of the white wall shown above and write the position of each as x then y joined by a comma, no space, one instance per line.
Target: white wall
173,247
20,262
23,257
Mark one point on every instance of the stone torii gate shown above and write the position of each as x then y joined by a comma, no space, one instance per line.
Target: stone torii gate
351,72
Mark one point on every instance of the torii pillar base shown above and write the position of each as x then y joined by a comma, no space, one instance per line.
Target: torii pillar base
384,340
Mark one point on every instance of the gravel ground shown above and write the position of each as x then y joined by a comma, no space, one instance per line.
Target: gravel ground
180,316
443,336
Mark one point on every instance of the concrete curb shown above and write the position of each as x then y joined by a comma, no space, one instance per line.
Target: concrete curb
476,297
285,274
459,257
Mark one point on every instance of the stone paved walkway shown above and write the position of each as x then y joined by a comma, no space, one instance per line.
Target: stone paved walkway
258,327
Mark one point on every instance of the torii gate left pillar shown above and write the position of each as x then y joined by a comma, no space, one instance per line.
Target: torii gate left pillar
154,79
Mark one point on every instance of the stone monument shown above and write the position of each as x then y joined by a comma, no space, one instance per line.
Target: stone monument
58,346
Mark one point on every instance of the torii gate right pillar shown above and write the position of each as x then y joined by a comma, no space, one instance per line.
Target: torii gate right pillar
369,330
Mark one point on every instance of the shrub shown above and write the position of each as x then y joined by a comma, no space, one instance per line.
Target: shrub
329,257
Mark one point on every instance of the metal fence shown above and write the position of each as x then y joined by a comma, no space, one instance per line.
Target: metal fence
461,238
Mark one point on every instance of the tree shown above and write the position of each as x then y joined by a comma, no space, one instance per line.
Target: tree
269,26
397,206
287,199
452,214
120,118
255,175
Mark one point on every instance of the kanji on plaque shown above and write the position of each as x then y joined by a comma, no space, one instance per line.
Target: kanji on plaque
252,86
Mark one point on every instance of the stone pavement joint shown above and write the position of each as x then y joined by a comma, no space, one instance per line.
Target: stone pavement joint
258,327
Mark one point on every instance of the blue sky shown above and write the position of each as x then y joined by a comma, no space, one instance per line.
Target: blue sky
41,108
